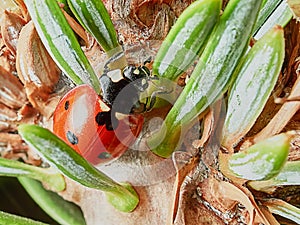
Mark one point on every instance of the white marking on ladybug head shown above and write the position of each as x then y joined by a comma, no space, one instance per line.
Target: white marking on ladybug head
136,71
115,75
103,106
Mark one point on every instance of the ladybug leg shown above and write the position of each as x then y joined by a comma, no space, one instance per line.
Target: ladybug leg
148,105
152,99
108,119
161,89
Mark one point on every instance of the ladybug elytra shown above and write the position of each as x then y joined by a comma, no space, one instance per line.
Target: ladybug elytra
76,121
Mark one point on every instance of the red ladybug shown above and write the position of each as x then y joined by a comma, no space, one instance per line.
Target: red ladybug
80,119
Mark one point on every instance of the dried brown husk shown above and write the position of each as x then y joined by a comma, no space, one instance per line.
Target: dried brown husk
140,20
12,92
37,71
7,118
11,26
7,60
295,7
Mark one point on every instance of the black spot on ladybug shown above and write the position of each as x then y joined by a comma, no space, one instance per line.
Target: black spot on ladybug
106,118
72,138
104,155
67,104
101,118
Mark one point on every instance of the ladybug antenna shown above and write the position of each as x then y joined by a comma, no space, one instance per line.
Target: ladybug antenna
147,61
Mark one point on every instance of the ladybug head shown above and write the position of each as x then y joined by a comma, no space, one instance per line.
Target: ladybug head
139,75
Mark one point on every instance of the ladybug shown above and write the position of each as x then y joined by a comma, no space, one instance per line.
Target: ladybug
102,128
82,120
